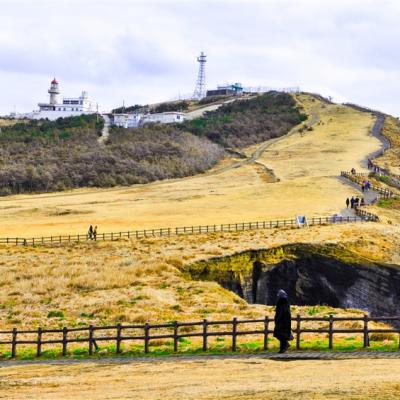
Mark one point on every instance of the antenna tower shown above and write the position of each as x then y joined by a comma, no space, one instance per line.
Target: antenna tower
200,89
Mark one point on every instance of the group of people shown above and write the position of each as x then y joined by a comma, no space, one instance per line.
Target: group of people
355,202
373,166
365,185
92,233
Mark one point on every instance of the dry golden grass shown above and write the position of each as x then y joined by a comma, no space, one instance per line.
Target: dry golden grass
307,165
255,379
136,281
391,158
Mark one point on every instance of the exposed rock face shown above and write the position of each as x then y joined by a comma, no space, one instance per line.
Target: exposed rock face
310,279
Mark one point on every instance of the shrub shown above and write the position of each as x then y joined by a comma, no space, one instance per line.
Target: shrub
55,314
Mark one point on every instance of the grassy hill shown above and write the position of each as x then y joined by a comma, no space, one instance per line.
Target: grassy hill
44,156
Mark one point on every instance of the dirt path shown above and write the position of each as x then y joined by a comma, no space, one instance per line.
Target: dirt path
253,379
106,129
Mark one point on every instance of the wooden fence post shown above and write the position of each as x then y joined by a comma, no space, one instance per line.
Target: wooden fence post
175,336
39,343
266,323
234,333
366,338
146,337
14,342
118,341
64,341
330,331
91,340
298,320
205,334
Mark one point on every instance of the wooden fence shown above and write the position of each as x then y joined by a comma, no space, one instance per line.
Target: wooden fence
185,230
175,331
385,193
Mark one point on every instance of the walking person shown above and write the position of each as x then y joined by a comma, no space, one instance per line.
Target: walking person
95,233
347,202
357,201
352,202
90,232
283,321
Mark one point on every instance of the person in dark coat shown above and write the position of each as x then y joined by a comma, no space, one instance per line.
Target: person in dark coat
352,202
347,202
90,232
283,321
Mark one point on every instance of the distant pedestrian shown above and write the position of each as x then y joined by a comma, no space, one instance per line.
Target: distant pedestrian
347,202
353,171
357,201
90,232
363,186
95,233
352,201
283,321
362,203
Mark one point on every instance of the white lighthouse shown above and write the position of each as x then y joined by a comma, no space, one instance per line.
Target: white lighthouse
68,107
54,91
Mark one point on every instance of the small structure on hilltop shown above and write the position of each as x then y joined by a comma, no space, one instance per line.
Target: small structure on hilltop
135,120
234,89
126,120
169,117
68,107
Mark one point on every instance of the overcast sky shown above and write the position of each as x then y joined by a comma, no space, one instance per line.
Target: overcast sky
145,51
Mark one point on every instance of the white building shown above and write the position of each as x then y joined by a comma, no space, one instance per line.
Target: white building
68,107
171,117
126,120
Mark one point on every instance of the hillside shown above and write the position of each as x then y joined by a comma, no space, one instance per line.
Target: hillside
44,156
244,122
306,163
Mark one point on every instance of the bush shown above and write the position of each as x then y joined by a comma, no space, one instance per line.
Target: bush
55,314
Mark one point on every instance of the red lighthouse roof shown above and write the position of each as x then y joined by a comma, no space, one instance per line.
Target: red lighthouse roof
54,82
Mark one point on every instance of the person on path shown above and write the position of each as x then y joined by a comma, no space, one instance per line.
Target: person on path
362,203
347,202
283,321
357,201
352,202
95,233
90,232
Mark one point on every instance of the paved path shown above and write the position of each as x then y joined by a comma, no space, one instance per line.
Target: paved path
289,356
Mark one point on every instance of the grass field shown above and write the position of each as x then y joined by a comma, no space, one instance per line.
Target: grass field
139,281
255,379
307,165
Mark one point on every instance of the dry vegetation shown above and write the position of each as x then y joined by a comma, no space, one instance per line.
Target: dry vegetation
136,281
391,158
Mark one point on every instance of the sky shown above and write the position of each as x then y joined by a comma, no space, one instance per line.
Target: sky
145,51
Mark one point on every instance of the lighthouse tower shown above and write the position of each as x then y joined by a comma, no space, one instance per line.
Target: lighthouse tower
54,91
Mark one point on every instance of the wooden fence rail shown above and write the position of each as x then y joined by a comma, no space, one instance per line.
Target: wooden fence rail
185,230
385,193
178,330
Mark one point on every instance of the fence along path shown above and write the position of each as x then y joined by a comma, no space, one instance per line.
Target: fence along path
359,177
185,230
92,335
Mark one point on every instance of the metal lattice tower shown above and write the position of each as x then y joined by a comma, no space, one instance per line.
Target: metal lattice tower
200,89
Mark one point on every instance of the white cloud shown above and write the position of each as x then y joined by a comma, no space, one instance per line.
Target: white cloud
144,51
